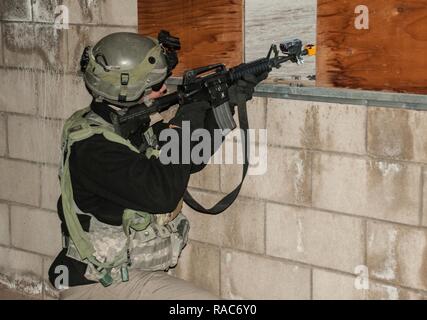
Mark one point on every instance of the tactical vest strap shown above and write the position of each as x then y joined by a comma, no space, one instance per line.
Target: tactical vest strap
135,220
229,199
78,128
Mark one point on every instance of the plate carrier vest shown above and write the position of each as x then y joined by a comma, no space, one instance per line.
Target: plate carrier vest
109,251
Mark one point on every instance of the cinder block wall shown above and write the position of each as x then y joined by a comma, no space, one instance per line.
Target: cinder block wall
39,89
344,188
344,185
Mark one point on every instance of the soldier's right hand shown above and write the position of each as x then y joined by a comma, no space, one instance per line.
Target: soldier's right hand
194,113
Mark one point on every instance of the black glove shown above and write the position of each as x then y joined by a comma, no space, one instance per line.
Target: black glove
194,112
244,89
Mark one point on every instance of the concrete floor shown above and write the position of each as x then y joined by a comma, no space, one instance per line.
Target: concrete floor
6,294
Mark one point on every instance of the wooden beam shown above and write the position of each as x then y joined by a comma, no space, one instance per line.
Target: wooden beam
211,31
390,55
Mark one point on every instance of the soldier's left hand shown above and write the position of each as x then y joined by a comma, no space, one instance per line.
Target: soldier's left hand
244,89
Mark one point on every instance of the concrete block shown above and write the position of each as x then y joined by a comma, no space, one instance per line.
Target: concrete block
21,182
59,96
315,237
3,136
317,125
50,187
36,230
51,11
398,254
12,99
104,12
328,285
49,292
44,10
287,178
84,12
1,47
424,222
39,46
380,291
4,225
207,179
256,110
34,139
397,134
257,113
240,227
246,276
123,13
376,189
15,10
21,271
199,264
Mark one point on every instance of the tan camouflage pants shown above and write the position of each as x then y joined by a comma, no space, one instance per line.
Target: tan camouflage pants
141,286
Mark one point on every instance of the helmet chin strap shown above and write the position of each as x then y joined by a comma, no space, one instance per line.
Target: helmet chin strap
122,105
147,100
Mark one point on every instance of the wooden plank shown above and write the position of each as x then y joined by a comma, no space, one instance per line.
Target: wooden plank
273,21
390,55
211,31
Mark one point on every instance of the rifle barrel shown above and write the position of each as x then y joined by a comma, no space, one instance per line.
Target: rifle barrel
256,67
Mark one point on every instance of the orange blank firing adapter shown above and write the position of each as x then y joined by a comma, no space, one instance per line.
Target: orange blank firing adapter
311,49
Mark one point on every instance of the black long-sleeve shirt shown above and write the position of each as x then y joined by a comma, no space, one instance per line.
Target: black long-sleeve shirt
108,177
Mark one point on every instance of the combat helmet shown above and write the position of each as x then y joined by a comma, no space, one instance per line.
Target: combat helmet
122,66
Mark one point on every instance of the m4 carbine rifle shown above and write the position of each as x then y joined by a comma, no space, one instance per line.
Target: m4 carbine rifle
213,81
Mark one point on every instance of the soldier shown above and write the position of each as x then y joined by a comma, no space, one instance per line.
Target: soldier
120,207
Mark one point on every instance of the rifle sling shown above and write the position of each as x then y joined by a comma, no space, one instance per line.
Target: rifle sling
228,200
